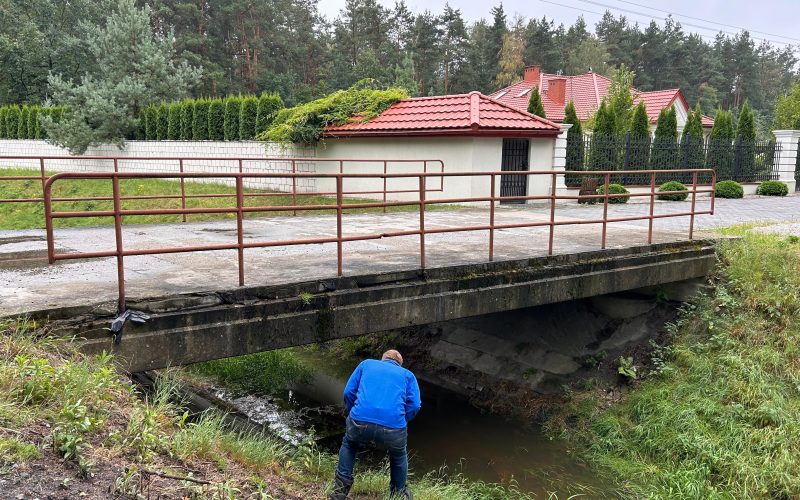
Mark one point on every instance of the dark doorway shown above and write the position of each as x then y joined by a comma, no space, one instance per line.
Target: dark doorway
515,158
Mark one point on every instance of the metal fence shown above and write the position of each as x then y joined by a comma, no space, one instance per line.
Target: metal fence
740,160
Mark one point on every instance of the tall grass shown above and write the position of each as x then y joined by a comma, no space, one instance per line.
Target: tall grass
720,416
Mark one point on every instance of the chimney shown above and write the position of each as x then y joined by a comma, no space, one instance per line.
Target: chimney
532,74
557,90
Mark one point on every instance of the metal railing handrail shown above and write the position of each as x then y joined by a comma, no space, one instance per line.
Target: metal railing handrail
339,206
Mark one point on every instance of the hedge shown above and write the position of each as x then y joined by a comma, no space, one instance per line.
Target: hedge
187,115
729,189
162,124
615,189
233,106
673,186
247,118
174,121
216,120
200,120
268,107
25,122
772,188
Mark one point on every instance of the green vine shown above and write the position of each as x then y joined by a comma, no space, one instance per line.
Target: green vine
305,123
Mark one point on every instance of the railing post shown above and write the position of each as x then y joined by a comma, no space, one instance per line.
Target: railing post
294,186
118,236
239,225
339,223
183,190
652,207
694,200
491,218
605,211
48,223
422,221
552,214
41,170
384,185
627,162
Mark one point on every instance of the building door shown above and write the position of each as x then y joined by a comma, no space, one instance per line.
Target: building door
515,158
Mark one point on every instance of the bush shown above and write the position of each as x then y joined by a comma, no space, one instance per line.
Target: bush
22,124
673,186
233,107
187,115
174,121
216,120
247,118
150,117
162,125
268,107
615,189
12,122
3,112
772,188
200,120
34,131
729,189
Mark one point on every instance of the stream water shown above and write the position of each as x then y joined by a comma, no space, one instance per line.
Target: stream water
448,435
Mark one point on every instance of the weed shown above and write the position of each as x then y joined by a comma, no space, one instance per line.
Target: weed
626,367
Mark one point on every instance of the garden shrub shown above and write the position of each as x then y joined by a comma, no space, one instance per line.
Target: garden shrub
673,186
233,106
247,118
151,123
163,121
268,107
306,122
200,120
187,115
3,111
729,189
174,121
22,124
216,120
772,188
33,123
12,122
615,189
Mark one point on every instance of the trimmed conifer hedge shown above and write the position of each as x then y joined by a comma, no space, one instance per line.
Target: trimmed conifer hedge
200,120
25,122
216,120
233,107
187,116
174,121
247,118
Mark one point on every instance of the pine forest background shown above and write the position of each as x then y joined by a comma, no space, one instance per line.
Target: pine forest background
287,47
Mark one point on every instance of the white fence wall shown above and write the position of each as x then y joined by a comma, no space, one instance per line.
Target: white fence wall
253,151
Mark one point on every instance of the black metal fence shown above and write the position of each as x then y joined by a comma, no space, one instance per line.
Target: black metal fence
740,160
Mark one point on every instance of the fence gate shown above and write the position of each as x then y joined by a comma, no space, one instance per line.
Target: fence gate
515,158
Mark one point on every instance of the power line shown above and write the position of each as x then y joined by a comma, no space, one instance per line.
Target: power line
644,14
709,21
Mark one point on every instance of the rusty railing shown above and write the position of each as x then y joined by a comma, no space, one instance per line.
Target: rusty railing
339,206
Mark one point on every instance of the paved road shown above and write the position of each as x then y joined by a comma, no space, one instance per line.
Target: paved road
27,285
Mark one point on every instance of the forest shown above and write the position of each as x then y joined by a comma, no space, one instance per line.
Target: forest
287,47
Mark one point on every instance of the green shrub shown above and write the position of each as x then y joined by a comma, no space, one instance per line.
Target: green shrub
729,189
268,107
233,107
34,131
200,120
22,123
12,122
673,186
216,120
772,188
615,189
174,121
150,117
187,115
247,118
162,126
3,112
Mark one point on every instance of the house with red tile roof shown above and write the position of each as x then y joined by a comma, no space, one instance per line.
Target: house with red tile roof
467,132
587,91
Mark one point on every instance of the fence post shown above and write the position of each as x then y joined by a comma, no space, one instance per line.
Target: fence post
560,156
737,160
627,162
787,164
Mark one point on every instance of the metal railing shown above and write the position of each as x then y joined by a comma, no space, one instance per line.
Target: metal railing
421,200
238,164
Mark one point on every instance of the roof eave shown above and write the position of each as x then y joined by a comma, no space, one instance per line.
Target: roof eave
463,132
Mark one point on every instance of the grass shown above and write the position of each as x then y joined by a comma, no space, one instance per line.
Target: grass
61,409
31,215
719,413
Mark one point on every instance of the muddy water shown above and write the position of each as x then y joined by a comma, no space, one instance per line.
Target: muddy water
448,435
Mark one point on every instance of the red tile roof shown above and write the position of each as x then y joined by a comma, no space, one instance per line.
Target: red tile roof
463,114
586,91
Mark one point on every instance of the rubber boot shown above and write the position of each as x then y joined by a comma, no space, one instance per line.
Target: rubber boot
340,489
404,494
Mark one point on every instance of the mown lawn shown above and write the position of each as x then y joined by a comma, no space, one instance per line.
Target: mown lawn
31,215
719,415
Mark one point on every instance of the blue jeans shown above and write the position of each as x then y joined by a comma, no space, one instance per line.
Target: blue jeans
365,433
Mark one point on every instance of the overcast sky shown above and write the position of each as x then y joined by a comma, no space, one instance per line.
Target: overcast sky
771,17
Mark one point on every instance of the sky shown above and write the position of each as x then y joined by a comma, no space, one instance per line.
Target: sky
776,19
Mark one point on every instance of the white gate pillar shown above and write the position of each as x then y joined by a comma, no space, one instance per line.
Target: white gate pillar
788,141
560,157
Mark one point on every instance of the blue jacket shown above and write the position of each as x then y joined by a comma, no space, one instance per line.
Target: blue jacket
383,393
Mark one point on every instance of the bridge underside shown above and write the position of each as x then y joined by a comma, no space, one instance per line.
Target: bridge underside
202,326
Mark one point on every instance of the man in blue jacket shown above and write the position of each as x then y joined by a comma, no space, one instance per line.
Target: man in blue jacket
381,397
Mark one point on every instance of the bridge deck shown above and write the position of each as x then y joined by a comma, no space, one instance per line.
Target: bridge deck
28,283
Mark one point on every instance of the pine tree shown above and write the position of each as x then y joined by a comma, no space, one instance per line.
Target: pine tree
574,159
174,121
200,120
404,76
535,105
248,112
187,115
268,107
233,106
216,120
